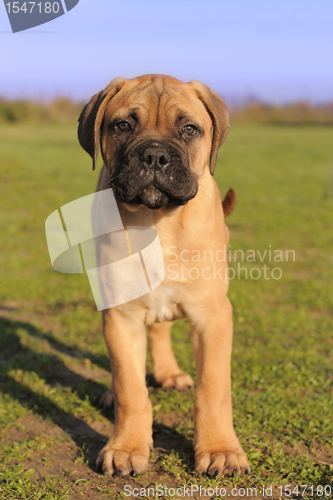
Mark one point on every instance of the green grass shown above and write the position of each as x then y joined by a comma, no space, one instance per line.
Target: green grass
53,361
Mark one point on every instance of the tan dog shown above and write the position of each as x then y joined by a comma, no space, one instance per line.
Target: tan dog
155,138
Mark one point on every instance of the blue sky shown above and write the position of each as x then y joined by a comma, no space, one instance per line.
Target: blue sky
276,50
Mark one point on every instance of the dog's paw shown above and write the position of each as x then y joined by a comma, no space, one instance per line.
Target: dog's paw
180,382
112,461
107,400
228,462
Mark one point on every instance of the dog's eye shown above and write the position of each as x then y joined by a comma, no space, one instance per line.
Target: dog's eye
123,126
190,129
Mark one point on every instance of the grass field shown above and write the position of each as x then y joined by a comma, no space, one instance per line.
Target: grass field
54,364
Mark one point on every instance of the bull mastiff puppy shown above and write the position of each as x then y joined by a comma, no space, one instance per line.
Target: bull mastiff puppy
159,139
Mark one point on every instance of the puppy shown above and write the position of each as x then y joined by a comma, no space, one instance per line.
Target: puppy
159,139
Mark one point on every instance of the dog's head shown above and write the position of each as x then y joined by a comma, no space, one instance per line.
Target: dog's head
155,137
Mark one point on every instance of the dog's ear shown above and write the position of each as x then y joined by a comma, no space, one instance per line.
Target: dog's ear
220,117
91,118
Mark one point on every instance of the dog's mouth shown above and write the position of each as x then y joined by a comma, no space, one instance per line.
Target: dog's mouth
153,197
154,176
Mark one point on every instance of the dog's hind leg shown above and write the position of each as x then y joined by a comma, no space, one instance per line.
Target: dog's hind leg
166,370
107,400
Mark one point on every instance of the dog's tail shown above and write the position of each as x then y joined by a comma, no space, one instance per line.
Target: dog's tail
229,202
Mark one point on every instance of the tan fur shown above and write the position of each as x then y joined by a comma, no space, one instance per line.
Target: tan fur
196,227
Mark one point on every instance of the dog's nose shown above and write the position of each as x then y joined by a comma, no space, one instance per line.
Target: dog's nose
155,158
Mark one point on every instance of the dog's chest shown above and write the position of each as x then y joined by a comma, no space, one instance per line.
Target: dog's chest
161,305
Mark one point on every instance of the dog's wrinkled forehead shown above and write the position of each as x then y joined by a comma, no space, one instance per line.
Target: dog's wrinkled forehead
158,102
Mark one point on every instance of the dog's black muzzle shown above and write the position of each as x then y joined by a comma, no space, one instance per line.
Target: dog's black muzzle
154,174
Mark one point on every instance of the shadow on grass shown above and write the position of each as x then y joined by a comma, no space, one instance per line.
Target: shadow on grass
167,439
49,367
74,351
46,365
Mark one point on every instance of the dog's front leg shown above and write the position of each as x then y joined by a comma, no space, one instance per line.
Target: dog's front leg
129,445
217,449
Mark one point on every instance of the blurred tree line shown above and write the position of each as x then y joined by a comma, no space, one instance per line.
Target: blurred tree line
64,109
22,110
